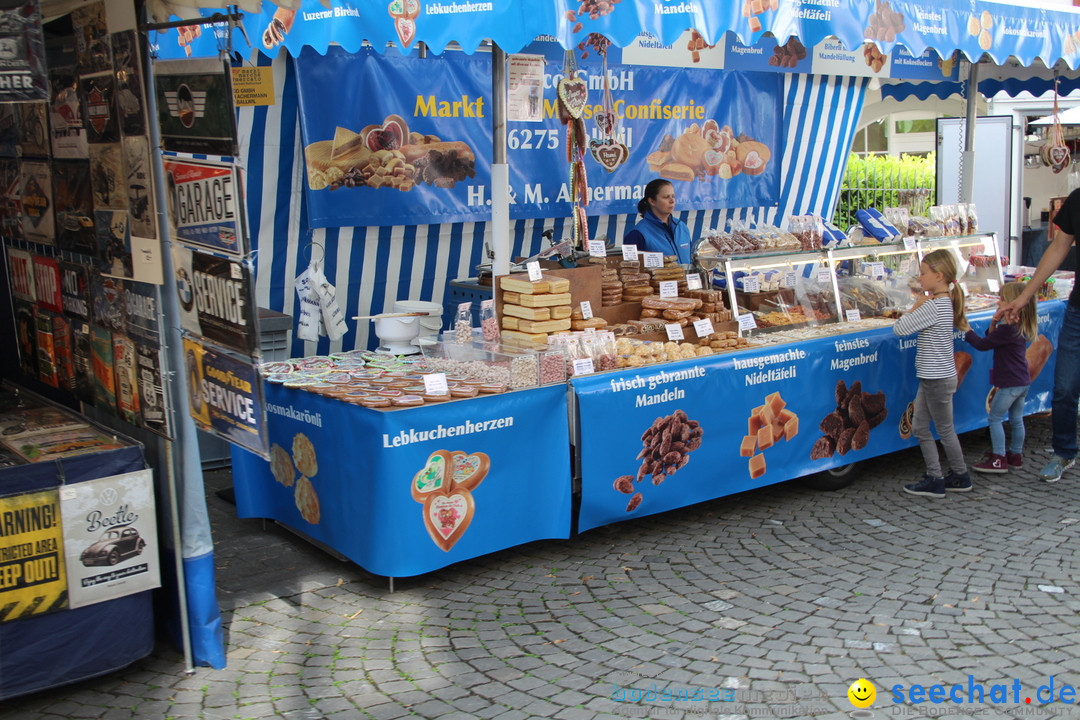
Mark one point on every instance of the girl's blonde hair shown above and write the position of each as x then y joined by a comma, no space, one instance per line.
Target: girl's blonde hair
944,262
1028,317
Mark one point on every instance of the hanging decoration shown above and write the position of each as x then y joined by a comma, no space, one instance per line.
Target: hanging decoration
1055,152
573,96
607,150
320,313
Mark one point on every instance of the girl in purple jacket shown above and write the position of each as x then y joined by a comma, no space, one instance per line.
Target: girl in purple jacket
1011,379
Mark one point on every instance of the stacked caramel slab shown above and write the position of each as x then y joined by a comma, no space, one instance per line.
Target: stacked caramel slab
533,309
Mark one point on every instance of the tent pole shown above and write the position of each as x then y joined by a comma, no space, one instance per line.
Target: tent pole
500,170
968,164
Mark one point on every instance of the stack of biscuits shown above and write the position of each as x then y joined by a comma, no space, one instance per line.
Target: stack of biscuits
531,310
636,284
671,271
611,287
712,305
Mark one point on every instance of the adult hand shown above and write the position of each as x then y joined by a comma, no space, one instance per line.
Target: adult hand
1010,312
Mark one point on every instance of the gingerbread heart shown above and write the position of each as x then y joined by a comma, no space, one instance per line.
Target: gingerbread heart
396,8
406,30
469,470
713,158
412,9
391,135
434,477
447,517
1059,156
605,122
574,94
609,154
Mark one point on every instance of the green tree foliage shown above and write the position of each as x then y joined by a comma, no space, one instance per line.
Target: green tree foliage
881,181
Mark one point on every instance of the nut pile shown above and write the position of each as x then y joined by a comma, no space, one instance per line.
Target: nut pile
666,448
789,54
848,427
885,23
444,168
874,58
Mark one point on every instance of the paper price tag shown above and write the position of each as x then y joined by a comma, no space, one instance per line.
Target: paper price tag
586,309
993,285
693,281
653,259
704,328
747,322
669,289
824,276
877,269
751,284
534,271
589,331
583,366
435,384
597,248
674,331
909,242
629,252
853,315
791,278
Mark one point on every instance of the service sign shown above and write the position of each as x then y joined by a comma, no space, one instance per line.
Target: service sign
195,107
32,579
215,298
110,537
225,397
204,204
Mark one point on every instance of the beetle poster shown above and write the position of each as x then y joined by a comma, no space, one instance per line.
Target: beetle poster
110,537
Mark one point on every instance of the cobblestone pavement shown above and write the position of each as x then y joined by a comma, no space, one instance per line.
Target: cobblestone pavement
773,602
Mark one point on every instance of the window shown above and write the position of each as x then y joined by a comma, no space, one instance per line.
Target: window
916,126
871,140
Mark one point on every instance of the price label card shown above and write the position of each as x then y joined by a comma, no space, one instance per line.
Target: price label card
791,278
853,315
747,322
909,242
669,288
693,281
589,331
653,259
629,252
877,269
751,284
586,309
704,328
597,248
435,384
993,285
824,276
583,366
534,271
674,331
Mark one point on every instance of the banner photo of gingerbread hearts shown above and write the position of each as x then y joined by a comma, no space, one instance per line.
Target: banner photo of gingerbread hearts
444,485
653,441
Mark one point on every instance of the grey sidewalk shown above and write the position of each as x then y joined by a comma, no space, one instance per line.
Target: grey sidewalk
776,600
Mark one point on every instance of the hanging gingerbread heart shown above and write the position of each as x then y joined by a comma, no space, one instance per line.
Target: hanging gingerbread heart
609,154
1059,157
605,122
406,30
574,94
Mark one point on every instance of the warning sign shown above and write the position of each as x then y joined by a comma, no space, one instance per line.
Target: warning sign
32,576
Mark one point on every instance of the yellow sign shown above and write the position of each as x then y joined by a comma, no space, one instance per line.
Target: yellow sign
33,580
253,86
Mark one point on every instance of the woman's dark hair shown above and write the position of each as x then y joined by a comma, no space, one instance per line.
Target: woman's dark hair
651,191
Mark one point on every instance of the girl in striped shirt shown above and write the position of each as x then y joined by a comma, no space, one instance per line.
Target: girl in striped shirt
933,316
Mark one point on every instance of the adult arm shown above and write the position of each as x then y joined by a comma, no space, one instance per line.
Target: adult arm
1050,262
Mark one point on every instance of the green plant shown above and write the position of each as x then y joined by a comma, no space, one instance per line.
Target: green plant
881,181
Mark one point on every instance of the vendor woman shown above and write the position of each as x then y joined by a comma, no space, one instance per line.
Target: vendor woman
659,230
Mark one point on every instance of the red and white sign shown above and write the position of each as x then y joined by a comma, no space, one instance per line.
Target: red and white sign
21,267
47,283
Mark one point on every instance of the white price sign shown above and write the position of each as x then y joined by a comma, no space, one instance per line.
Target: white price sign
993,285
853,315
589,331
653,259
791,278
586,310
909,242
534,271
704,328
629,252
583,366
669,289
747,322
824,276
877,269
693,281
597,248
674,331
435,384
751,284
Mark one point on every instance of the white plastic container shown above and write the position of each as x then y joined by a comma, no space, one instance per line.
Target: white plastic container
430,325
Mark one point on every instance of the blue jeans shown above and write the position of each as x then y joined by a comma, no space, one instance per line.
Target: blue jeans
1066,385
1007,400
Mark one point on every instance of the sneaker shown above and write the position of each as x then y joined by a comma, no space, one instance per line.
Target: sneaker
929,486
991,463
960,483
1056,468
1014,460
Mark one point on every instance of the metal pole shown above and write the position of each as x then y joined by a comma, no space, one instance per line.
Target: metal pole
500,170
967,182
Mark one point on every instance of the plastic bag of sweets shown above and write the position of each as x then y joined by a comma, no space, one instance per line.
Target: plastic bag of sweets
489,321
463,323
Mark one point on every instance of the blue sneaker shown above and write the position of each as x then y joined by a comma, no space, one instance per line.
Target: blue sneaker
957,483
929,486
1056,468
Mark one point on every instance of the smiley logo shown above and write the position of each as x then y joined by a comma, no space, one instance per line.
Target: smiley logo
862,693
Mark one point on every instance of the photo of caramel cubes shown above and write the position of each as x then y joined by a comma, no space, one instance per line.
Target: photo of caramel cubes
767,425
